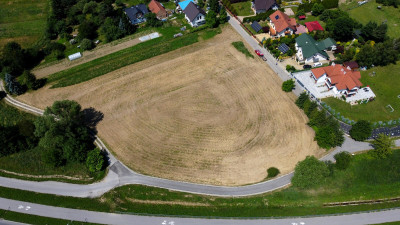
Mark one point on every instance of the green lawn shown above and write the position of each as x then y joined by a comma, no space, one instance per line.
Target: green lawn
243,8
385,84
311,18
241,48
365,179
22,21
369,12
139,52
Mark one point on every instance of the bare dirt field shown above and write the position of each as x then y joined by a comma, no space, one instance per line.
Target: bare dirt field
204,113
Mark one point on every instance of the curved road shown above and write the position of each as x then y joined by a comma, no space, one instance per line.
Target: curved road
119,175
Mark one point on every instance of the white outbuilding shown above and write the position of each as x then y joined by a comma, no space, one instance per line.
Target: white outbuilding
75,56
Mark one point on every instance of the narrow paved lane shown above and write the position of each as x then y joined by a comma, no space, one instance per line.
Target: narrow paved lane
124,219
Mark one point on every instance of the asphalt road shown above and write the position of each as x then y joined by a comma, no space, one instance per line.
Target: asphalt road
124,219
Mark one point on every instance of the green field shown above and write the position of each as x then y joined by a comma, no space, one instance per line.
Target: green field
139,52
22,21
243,8
366,179
369,12
241,48
385,84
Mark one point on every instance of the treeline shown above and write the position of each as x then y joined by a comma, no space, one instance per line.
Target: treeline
327,129
61,136
394,3
92,17
15,65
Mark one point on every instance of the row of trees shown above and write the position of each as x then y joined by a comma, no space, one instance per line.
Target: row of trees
216,15
328,133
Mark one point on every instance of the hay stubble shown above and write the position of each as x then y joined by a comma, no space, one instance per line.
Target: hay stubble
203,113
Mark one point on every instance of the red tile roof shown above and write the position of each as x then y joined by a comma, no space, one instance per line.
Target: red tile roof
340,76
282,21
302,17
314,25
158,9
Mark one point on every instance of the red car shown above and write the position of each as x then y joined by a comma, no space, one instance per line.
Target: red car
259,53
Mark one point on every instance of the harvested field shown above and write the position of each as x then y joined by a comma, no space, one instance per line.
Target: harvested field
203,113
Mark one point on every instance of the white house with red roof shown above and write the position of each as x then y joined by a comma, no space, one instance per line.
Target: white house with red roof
338,78
281,24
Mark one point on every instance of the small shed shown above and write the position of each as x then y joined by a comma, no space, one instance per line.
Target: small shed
283,48
256,26
352,65
302,17
75,56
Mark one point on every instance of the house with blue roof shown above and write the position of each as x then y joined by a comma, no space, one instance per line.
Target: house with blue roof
136,13
184,4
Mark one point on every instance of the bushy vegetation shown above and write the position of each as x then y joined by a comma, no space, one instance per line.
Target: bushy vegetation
272,45
383,145
41,145
258,17
241,48
288,86
327,129
343,160
361,130
272,172
309,173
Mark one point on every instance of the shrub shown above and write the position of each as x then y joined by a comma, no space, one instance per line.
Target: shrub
272,172
343,160
95,160
290,68
361,130
87,44
287,86
309,173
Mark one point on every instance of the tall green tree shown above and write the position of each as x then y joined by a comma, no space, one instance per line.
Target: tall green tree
211,19
95,160
223,16
361,130
317,9
383,145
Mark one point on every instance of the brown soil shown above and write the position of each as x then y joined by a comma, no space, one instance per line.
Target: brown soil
204,113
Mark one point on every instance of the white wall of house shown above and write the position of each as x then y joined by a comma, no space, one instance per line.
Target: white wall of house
199,20
315,58
322,79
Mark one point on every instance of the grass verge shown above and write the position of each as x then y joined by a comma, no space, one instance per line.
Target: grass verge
35,220
365,179
385,86
241,48
137,53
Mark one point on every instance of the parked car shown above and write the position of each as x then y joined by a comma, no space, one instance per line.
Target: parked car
307,66
258,52
317,64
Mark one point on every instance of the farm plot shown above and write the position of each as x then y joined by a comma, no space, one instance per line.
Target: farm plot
203,113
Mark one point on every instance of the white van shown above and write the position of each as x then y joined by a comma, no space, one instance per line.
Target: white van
317,64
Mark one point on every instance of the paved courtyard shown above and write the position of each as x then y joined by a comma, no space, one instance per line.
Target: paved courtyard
305,80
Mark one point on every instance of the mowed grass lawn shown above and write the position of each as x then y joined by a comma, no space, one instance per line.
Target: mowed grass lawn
243,8
369,12
22,21
386,86
365,179
311,18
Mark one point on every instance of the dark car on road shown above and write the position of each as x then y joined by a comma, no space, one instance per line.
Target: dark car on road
307,66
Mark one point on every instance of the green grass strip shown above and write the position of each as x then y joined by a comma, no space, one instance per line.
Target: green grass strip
36,220
114,61
241,48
